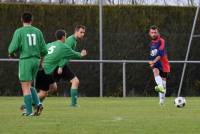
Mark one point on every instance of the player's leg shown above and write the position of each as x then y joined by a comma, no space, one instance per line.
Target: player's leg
36,100
44,83
164,76
74,91
32,66
25,77
158,80
164,82
159,88
67,74
38,105
27,97
53,88
43,92
162,95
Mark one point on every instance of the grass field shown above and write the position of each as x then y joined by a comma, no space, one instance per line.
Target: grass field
137,115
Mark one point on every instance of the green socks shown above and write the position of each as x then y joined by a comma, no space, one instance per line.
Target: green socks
28,103
35,97
74,95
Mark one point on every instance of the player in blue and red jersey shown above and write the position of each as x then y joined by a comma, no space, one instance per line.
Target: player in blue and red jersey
158,62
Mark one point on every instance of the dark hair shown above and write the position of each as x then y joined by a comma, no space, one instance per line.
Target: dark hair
154,27
79,26
60,33
27,17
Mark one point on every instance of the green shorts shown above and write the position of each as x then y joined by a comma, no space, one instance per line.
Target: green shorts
28,68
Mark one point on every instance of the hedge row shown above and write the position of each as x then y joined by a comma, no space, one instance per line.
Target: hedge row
125,33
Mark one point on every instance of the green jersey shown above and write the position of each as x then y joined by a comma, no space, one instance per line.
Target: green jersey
71,42
58,55
29,41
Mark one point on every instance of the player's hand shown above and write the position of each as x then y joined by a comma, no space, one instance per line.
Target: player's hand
151,63
60,70
13,55
83,53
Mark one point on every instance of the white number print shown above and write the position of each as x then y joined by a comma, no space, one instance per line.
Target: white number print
51,49
31,39
154,52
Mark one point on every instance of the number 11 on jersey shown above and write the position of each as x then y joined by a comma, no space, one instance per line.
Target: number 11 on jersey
31,39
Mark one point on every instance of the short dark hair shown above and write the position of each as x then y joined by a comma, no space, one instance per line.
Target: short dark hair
60,33
154,27
27,17
79,26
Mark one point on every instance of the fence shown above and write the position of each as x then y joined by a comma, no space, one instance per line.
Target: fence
123,62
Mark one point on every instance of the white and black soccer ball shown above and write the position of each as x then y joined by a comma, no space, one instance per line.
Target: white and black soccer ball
180,102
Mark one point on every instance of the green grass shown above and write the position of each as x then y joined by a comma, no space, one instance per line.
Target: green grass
137,115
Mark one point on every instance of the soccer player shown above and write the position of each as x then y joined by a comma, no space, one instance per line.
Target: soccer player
55,63
71,41
55,67
158,62
29,41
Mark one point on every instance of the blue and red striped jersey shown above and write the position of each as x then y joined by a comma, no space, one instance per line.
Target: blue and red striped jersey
157,48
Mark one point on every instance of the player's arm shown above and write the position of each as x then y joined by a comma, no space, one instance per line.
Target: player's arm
61,64
78,55
43,49
65,60
154,61
14,45
68,57
160,53
158,57
71,54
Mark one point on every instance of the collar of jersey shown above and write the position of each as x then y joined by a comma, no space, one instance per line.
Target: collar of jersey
26,25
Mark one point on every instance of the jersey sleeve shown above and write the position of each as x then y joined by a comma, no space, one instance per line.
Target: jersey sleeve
43,49
76,55
15,43
71,54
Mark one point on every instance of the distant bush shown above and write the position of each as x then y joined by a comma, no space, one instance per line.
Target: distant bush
125,36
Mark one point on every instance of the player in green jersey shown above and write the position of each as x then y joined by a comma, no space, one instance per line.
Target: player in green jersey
71,41
29,41
59,53
55,66
55,63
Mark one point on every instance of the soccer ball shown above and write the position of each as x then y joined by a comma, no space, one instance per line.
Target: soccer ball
180,102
